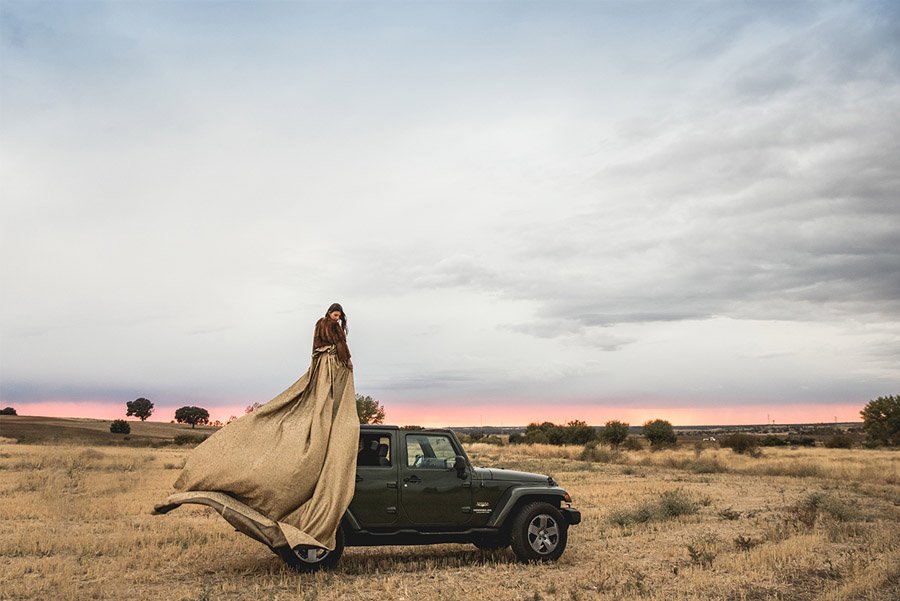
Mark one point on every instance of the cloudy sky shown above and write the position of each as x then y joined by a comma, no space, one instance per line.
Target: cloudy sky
529,210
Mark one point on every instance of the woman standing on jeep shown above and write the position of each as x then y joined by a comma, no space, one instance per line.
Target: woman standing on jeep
332,330
293,460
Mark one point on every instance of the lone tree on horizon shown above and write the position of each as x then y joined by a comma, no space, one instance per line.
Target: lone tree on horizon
369,410
8,411
141,408
192,415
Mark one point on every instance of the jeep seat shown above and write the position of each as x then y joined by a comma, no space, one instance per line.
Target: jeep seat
382,455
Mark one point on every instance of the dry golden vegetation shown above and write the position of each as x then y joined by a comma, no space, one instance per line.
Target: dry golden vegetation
676,524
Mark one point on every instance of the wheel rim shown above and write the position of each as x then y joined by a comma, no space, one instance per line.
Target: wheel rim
310,554
543,534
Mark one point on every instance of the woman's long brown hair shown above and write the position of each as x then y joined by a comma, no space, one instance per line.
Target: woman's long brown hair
343,318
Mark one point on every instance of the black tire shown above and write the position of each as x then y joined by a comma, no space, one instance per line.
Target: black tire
313,559
539,533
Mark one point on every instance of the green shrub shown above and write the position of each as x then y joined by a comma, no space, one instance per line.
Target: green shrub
839,441
614,432
8,411
742,444
800,441
191,439
494,440
516,439
119,426
578,432
659,433
770,440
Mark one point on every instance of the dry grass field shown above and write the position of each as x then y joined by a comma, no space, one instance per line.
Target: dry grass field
679,524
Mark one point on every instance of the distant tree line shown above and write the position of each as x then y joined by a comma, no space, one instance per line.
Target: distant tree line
658,432
881,424
573,432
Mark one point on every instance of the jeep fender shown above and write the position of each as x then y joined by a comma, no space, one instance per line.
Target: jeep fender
518,495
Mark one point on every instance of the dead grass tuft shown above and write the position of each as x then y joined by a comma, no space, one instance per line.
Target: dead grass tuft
818,505
670,504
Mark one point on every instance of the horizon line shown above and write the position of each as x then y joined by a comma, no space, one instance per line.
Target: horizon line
451,427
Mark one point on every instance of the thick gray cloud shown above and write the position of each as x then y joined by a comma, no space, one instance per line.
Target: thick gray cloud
764,204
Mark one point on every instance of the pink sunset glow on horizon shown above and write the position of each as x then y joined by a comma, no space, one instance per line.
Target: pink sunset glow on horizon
446,414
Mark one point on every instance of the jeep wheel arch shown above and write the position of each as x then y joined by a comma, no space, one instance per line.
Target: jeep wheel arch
513,501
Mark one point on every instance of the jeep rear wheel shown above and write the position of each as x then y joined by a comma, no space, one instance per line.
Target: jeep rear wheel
539,533
313,559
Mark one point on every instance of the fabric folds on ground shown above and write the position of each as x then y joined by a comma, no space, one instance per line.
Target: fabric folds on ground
285,472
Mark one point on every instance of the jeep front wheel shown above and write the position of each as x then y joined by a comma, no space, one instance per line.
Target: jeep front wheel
313,559
539,533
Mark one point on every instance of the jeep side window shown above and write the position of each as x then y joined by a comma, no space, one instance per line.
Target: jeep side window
429,451
374,450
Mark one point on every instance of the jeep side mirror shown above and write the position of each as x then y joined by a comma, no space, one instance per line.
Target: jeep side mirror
459,464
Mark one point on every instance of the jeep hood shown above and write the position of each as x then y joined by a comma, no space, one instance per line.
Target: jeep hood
496,473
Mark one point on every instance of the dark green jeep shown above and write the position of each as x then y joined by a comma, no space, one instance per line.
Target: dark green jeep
417,487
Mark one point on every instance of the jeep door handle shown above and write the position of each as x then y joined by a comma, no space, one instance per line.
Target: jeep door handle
413,479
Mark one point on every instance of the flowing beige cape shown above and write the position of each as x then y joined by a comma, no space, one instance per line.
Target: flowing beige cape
283,474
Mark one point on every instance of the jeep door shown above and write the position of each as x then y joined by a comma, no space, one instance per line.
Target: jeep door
431,491
375,500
